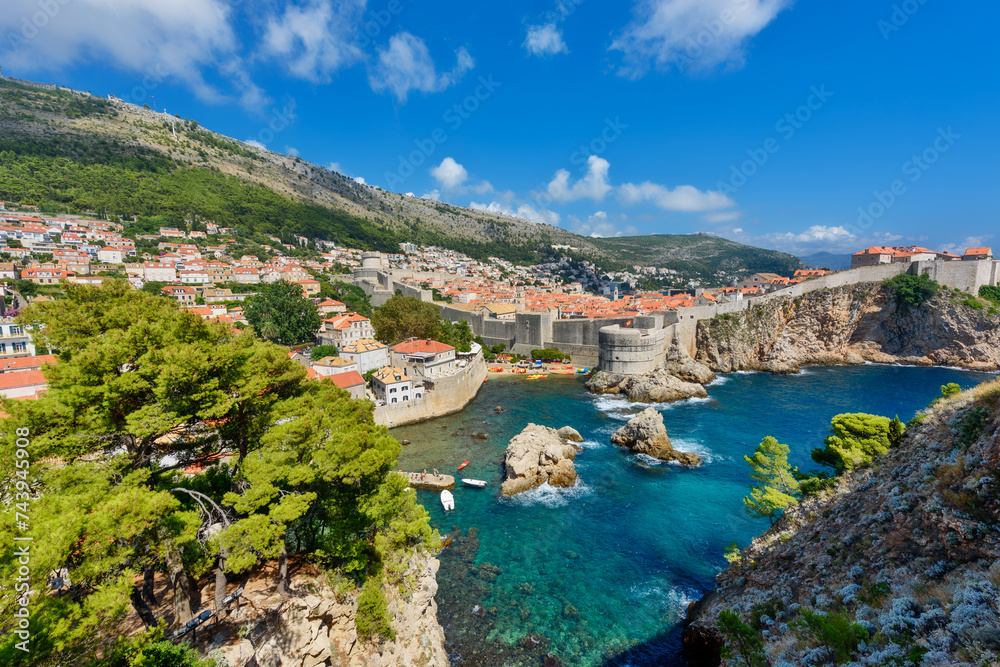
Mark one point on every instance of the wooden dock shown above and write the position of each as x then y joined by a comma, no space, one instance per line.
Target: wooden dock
419,480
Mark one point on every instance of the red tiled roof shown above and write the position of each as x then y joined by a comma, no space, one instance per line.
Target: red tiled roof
27,362
21,379
347,380
421,346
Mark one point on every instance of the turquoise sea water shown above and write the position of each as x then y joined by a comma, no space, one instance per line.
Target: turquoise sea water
601,574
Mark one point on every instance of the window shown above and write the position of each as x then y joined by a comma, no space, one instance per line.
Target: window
393,400
20,347
405,398
392,391
15,330
3,348
418,395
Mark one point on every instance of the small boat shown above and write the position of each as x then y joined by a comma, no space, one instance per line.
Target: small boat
536,377
477,483
463,465
447,500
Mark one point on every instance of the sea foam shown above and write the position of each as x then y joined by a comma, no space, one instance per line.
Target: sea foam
550,496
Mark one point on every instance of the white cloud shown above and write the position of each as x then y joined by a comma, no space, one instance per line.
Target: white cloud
360,180
314,39
969,242
255,144
684,198
406,65
156,41
335,166
450,174
727,216
599,225
692,34
485,187
594,185
292,150
545,40
434,195
538,216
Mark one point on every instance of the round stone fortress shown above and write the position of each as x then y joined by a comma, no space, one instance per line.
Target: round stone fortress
631,351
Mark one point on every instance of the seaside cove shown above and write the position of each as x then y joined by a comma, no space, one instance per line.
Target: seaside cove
602,573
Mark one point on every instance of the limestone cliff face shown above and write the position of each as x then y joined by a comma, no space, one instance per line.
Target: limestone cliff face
850,325
315,628
907,548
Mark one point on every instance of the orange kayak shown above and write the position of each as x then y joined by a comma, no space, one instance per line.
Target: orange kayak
463,465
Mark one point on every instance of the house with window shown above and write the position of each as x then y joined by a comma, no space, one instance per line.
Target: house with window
246,275
9,271
392,385
14,341
425,358
310,287
181,293
369,354
976,254
331,307
345,329
46,276
110,255
159,272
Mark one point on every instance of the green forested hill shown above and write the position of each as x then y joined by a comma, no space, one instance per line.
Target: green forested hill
66,153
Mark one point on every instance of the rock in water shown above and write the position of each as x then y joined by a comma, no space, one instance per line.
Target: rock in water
680,364
646,434
657,386
570,433
537,455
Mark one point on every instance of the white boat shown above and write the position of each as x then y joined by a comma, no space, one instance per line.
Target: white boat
447,500
478,483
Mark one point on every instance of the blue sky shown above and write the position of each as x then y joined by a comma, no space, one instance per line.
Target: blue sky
802,126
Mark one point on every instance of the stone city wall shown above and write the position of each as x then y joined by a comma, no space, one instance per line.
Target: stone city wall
449,395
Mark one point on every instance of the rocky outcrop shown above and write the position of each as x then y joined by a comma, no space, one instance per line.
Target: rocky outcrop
680,364
646,434
537,455
658,386
318,629
570,433
851,325
906,548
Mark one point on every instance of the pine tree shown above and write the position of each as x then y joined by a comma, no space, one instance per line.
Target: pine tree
776,487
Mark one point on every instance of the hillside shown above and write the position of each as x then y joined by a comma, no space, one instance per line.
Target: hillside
90,154
896,565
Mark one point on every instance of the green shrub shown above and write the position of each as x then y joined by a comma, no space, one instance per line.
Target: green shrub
912,291
950,389
972,426
743,644
857,438
323,351
973,302
771,609
990,293
150,649
836,631
549,354
373,615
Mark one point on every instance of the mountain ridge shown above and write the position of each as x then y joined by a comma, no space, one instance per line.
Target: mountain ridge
152,148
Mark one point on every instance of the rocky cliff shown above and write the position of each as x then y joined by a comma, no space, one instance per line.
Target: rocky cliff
899,561
314,627
852,325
